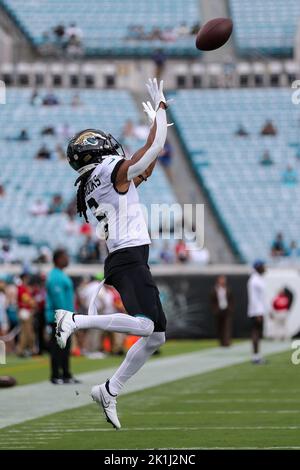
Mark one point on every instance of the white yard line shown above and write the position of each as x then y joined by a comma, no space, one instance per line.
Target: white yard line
36,400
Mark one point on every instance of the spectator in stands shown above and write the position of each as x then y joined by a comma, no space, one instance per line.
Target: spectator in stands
48,130
21,137
2,190
71,208
6,253
169,35
56,205
183,29
39,295
268,129
59,295
195,28
74,37
12,312
89,251
59,33
221,299
50,99
44,255
39,207
278,247
76,101
290,176
241,131
155,34
266,159
181,251
43,153
26,305
3,316
74,34
159,58
166,254
165,159
35,98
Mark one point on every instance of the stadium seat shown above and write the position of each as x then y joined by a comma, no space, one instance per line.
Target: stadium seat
105,26
266,27
28,179
244,193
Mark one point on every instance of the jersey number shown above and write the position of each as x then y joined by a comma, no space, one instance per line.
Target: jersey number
94,206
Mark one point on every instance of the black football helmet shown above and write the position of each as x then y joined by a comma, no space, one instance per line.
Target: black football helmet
89,147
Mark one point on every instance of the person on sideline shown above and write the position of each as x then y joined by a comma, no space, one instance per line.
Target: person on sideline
257,308
59,294
222,308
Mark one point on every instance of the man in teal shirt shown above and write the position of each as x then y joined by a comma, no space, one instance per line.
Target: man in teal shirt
60,294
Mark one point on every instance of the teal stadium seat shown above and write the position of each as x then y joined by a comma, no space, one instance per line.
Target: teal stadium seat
266,27
105,23
244,193
27,179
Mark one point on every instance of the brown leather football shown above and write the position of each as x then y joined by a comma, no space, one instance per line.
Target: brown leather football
214,34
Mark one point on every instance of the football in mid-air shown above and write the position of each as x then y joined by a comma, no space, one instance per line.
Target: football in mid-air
214,34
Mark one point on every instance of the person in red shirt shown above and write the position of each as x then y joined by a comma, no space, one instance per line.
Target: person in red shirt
26,306
281,307
181,251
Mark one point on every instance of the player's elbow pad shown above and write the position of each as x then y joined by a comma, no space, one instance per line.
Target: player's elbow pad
154,150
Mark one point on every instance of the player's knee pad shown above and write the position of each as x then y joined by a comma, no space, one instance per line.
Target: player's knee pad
147,325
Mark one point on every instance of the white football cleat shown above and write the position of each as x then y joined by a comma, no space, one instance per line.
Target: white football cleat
65,326
108,404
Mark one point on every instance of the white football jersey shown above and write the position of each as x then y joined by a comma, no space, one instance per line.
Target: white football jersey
120,215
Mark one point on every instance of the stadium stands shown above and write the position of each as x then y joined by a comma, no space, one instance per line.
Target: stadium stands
105,27
244,193
27,179
266,27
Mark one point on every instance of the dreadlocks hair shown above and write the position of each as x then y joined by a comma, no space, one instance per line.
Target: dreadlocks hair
81,204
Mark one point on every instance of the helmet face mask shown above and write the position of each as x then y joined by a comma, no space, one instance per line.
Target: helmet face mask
89,147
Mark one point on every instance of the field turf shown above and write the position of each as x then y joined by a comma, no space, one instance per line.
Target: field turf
242,406
36,369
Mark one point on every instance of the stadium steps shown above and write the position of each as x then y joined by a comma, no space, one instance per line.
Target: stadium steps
21,47
215,9
188,190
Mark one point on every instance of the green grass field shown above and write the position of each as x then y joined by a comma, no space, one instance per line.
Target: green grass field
242,406
36,369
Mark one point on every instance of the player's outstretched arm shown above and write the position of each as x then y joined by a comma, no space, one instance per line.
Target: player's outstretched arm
143,161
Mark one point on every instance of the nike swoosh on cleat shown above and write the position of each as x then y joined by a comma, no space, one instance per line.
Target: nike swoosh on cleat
104,402
59,327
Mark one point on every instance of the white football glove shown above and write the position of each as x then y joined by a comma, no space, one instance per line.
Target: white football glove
156,92
151,113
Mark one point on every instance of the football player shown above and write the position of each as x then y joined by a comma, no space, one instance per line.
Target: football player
108,183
